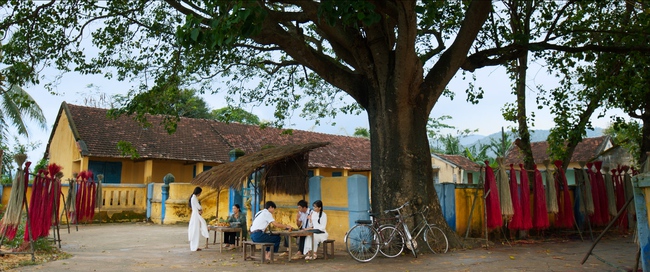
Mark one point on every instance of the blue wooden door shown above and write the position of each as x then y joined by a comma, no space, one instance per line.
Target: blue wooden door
112,170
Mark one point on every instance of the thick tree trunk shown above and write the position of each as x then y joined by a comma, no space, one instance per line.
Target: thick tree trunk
401,162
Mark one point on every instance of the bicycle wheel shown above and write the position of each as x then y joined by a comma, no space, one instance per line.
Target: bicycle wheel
436,239
391,240
362,243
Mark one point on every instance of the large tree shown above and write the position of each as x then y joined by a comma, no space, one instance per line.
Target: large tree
393,58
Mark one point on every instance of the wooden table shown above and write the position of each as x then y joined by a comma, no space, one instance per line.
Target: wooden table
295,233
222,230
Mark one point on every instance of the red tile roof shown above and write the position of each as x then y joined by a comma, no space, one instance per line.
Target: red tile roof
203,140
586,150
462,162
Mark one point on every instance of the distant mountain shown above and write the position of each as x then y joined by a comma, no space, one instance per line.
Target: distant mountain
538,135
471,139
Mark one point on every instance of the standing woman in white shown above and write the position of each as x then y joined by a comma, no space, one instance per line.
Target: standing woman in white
197,227
318,219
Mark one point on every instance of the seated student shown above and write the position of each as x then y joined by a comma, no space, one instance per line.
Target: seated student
303,223
236,216
260,222
319,221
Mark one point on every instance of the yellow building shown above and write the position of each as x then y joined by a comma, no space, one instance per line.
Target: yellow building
84,138
454,169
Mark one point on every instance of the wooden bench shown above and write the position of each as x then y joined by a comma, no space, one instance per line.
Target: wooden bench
250,247
328,254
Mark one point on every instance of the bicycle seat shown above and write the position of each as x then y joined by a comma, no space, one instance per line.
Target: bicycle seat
367,222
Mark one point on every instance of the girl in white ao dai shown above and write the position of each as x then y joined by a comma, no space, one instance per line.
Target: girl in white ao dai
318,220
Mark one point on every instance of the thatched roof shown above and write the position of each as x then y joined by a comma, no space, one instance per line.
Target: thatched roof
285,169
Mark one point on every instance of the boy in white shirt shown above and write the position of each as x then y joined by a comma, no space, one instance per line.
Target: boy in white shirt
261,221
303,223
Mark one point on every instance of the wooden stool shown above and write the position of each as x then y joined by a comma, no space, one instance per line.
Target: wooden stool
328,254
238,239
250,247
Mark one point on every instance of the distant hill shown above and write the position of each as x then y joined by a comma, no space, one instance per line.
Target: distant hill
471,139
538,135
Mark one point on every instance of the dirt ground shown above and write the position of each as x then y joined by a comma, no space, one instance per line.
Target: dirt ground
148,247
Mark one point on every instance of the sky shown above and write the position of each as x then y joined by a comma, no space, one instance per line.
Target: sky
485,116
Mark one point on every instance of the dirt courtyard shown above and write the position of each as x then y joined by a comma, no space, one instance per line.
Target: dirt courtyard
149,247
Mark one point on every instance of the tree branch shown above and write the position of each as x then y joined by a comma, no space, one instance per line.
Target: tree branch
452,59
182,9
34,14
557,18
441,45
294,45
498,56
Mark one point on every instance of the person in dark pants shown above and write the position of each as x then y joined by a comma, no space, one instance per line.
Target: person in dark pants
260,222
238,218
303,223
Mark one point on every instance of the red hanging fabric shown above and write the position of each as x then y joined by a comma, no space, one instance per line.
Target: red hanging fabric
35,207
565,216
492,205
42,204
54,170
619,190
46,216
77,205
83,209
85,197
602,193
515,222
526,220
540,214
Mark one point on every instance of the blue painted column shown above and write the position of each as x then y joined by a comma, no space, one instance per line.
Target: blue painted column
447,197
149,197
358,198
314,190
2,187
235,196
169,178
639,182
252,187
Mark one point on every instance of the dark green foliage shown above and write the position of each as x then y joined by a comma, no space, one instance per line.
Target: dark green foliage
361,132
232,114
628,135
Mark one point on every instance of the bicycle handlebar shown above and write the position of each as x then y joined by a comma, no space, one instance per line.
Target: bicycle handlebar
397,209
425,210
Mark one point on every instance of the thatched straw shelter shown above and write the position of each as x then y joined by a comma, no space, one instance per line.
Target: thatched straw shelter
284,170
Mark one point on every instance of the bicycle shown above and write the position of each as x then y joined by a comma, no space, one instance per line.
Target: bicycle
367,238
363,241
393,236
